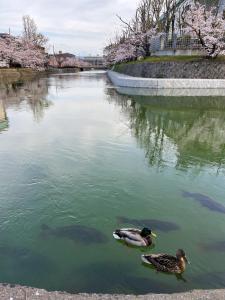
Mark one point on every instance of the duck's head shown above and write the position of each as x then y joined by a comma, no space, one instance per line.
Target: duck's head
147,232
181,255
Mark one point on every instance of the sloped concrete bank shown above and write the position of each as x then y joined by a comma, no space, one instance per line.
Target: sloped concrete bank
123,80
26,293
200,68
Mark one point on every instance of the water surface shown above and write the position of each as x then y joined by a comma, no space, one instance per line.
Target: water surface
79,159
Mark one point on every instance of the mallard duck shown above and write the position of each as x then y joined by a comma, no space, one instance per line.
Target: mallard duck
166,262
135,237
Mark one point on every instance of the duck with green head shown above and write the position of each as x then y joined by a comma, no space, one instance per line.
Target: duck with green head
167,263
135,237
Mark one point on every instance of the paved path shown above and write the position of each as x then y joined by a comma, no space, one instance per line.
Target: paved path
26,293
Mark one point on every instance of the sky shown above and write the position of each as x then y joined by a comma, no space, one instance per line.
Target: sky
81,27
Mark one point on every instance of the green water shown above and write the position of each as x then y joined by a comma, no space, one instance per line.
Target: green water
75,152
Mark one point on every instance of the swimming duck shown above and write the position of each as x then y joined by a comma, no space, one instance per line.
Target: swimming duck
135,237
166,262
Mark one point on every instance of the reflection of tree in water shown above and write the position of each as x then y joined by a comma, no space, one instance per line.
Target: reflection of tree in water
175,134
3,117
31,94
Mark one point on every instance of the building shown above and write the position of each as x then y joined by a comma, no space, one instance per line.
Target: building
94,61
60,60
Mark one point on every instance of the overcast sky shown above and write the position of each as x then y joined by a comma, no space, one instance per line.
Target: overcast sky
81,27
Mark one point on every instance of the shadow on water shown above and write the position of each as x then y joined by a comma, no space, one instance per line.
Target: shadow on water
193,128
76,233
24,264
179,277
150,223
205,201
117,278
213,246
217,278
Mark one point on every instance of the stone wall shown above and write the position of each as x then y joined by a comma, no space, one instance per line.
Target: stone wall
202,68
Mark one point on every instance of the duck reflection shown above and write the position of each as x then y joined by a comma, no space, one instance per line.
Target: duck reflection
174,131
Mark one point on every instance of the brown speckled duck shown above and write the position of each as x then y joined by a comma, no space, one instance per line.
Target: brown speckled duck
167,263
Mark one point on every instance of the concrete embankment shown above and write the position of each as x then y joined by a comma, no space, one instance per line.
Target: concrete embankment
198,68
123,80
25,293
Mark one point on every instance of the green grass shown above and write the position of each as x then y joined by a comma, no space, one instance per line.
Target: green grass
170,58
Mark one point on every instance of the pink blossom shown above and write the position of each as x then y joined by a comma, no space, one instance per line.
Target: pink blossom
208,26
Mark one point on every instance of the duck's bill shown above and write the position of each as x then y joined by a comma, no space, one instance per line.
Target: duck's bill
154,235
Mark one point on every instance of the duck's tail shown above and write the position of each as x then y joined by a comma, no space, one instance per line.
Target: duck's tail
145,259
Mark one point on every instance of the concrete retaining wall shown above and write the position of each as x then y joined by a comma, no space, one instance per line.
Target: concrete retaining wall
123,80
196,68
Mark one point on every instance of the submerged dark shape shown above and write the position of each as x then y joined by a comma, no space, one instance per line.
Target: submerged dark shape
205,201
150,223
120,278
77,233
217,246
215,278
17,252
25,260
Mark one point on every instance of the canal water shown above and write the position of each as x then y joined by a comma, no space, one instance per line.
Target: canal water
78,160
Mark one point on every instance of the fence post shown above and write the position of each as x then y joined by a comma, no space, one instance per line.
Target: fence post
174,41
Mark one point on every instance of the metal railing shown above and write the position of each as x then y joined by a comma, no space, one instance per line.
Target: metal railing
175,42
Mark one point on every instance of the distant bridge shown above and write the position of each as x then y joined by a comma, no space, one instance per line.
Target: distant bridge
95,62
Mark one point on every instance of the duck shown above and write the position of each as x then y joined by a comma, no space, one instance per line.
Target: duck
135,237
167,263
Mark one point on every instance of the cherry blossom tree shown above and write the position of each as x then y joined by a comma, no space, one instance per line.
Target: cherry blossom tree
208,26
16,52
63,61
129,48
136,36
31,34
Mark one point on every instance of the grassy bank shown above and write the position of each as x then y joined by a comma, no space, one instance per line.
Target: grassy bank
13,75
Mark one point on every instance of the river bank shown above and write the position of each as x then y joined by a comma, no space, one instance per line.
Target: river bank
170,67
8,76
20,293
127,81
13,75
